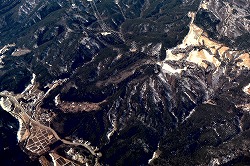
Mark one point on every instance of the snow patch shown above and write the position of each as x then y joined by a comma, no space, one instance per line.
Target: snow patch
168,69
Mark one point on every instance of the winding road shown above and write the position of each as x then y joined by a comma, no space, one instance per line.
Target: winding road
27,119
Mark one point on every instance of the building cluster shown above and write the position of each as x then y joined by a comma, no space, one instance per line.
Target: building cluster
39,140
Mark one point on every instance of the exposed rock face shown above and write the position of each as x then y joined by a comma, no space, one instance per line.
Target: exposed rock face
233,16
168,79
227,21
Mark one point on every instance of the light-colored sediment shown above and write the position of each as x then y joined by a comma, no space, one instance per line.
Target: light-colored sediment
196,37
245,60
197,57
